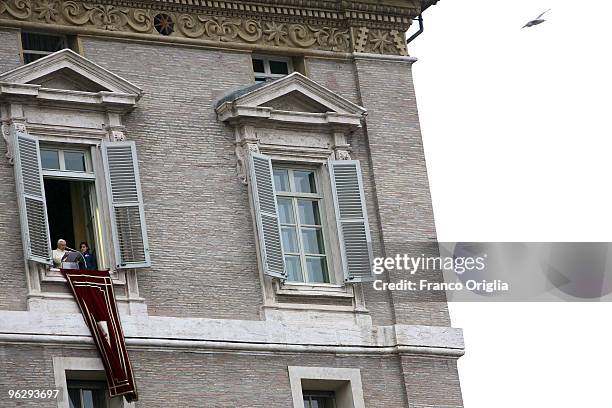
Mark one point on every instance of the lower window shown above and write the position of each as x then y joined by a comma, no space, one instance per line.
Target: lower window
319,399
87,394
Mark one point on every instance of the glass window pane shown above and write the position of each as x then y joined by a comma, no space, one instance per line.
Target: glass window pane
281,180
74,398
304,181
317,269
74,161
88,401
258,65
49,159
285,211
289,240
313,241
279,67
294,269
309,212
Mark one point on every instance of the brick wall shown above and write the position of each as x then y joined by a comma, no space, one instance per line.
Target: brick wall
205,379
399,174
432,382
13,290
197,211
9,49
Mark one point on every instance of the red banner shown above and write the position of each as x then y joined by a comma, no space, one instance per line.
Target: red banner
93,291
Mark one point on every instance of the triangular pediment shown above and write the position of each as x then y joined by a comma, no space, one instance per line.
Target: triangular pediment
293,93
296,102
67,70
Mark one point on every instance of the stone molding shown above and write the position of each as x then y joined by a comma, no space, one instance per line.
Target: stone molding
257,106
338,27
218,334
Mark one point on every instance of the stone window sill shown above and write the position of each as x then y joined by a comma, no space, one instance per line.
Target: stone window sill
315,290
52,274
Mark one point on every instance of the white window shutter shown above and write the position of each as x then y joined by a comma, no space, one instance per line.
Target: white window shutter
126,205
31,198
352,219
266,215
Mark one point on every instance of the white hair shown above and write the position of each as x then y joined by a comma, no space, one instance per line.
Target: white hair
61,241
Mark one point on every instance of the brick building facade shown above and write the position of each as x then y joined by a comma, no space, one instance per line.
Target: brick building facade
219,110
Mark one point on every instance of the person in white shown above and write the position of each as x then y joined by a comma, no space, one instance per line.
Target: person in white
59,253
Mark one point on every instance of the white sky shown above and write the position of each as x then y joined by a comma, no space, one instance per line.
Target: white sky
517,133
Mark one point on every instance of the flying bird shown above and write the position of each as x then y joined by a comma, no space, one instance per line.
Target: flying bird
537,20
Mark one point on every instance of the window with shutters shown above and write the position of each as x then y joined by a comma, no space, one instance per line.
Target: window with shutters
61,185
296,214
307,197
76,177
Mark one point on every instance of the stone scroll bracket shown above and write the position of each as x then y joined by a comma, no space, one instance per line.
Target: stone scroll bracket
342,149
246,142
9,129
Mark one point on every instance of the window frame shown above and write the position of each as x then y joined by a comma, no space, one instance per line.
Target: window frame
23,51
320,394
88,384
345,383
85,369
101,236
61,173
320,198
267,75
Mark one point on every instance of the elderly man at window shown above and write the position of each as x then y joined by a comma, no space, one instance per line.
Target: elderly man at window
59,253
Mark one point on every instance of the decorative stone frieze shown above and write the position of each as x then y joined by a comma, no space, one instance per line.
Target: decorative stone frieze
341,27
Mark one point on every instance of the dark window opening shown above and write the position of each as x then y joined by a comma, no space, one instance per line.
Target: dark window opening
279,67
87,394
36,45
258,66
319,399
70,212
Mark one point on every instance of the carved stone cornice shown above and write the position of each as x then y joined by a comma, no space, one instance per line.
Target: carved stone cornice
329,26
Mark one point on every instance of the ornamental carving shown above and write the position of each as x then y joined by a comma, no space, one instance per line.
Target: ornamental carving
261,31
380,41
4,129
8,130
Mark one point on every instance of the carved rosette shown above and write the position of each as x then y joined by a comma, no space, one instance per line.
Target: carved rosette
260,31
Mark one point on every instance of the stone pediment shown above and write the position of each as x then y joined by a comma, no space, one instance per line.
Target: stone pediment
294,98
69,73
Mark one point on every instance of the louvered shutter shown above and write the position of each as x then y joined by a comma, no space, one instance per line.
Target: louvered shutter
266,215
31,198
352,218
126,205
